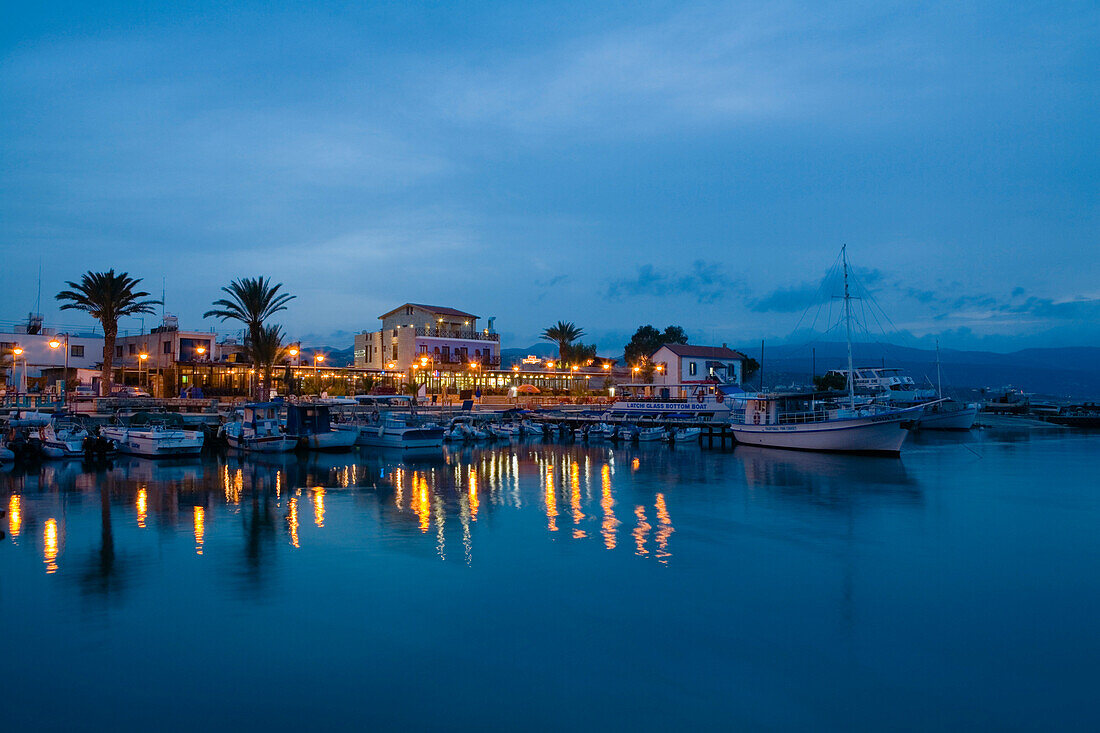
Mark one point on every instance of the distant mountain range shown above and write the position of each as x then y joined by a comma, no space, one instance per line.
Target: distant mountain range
1071,372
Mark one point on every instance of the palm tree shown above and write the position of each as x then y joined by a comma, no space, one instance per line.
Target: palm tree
252,301
107,297
266,349
563,334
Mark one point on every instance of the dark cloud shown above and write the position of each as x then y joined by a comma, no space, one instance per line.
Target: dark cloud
706,283
799,297
788,300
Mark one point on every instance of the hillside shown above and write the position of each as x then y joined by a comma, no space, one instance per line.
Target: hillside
1068,372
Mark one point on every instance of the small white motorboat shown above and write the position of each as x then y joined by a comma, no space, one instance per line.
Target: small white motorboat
649,435
154,436
686,435
62,438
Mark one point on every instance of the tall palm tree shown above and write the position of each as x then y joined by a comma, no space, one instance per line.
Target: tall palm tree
252,301
562,333
107,297
266,349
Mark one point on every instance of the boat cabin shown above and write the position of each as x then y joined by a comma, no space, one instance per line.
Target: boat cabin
308,419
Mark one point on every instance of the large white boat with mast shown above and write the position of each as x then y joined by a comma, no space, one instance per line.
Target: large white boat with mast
808,421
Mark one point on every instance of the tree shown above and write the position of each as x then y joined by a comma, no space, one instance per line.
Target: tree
107,297
265,351
748,369
563,333
579,354
647,339
252,301
833,381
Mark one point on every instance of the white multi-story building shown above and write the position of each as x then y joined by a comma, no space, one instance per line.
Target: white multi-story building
44,353
684,364
435,337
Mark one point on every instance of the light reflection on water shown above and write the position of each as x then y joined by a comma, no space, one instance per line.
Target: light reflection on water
771,569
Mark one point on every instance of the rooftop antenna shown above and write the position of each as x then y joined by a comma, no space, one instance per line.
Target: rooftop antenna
38,298
162,291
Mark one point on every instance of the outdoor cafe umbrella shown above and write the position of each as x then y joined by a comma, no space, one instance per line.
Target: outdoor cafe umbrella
528,389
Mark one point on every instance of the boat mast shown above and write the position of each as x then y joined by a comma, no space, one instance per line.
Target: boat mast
939,378
848,329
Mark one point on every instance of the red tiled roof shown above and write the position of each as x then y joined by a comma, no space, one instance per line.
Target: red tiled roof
706,352
434,309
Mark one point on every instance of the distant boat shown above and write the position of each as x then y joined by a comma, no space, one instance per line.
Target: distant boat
946,413
887,384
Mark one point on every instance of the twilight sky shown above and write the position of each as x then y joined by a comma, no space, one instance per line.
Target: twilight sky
637,162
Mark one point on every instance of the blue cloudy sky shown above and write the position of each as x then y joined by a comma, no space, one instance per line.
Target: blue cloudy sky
611,164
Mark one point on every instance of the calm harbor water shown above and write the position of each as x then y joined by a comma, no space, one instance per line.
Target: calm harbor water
534,586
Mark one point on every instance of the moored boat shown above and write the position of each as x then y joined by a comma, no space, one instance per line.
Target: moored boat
260,430
801,422
145,434
62,438
310,426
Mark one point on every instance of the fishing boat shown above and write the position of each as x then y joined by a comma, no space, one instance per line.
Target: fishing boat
154,436
310,426
259,430
803,421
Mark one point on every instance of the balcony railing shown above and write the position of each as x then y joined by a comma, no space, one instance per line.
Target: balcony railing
485,361
448,333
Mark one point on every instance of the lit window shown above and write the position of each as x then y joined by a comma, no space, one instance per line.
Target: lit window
691,368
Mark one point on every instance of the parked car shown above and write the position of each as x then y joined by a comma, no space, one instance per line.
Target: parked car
128,391
85,390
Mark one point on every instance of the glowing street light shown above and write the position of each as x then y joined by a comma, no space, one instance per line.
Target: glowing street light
18,351
55,343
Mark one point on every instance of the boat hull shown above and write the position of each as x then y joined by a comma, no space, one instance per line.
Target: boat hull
333,441
949,420
154,443
410,438
882,434
273,444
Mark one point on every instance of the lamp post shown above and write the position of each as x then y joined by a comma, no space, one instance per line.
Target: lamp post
200,351
18,351
54,344
144,357
318,359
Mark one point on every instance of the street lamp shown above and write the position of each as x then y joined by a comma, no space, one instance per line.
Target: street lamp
18,351
54,344
144,358
200,351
